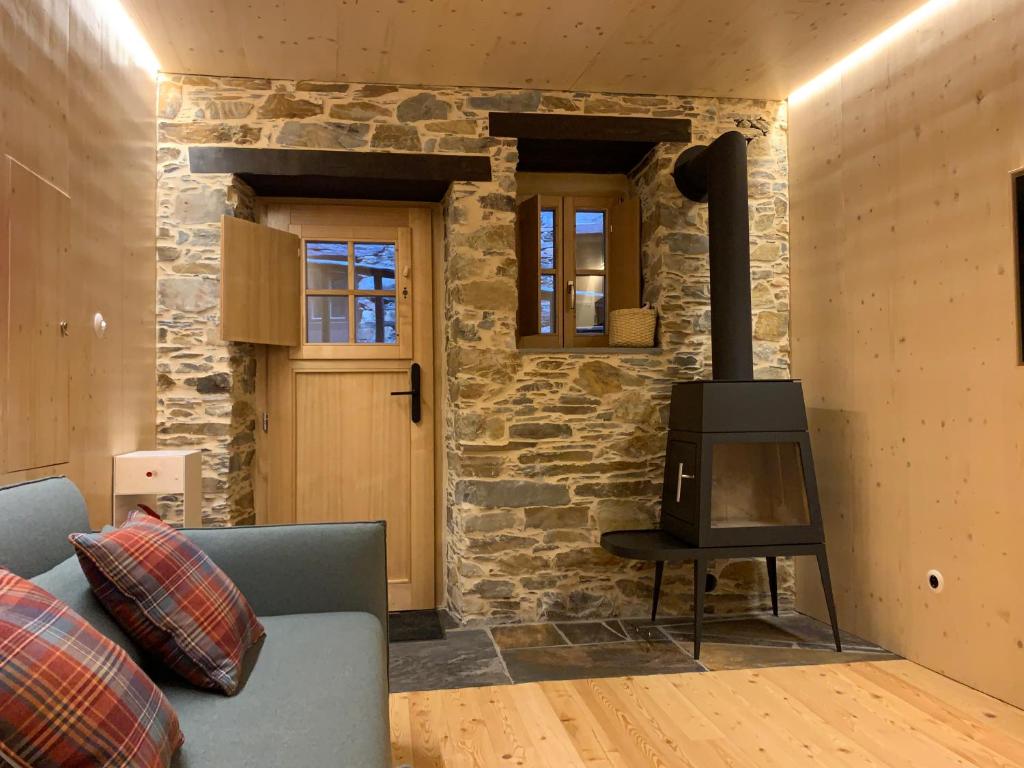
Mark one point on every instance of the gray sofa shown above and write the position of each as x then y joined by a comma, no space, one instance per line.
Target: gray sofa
317,694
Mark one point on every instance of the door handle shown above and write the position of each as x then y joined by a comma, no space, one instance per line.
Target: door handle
570,288
679,482
415,404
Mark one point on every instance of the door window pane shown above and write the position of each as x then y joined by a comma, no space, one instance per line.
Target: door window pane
547,238
590,304
547,304
375,266
326,266
327,319
589,240
375,320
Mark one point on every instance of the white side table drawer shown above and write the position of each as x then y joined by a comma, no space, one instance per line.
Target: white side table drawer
141,476
157,474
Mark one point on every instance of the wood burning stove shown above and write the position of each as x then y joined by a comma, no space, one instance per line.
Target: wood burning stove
738,468
739,475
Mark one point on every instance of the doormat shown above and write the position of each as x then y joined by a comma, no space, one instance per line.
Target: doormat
408,626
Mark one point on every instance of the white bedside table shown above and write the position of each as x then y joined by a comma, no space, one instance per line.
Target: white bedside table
141,476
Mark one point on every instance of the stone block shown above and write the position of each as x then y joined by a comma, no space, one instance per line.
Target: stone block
555,517
315,86
771,326
168,99
511,101
539,431
359,111
510,493
617,489
403,137
497,295
599,378
281,105
323,135
200,205
208,133
423,106
189,294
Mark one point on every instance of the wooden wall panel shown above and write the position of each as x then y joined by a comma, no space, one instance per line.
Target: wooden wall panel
79,112
904,333
35,380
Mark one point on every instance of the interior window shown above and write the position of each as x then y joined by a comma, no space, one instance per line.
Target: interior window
570,262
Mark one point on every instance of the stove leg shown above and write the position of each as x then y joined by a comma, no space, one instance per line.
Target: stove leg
826,584
700,576
659,568
773,584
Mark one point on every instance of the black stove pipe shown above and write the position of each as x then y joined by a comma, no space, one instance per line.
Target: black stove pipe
717,173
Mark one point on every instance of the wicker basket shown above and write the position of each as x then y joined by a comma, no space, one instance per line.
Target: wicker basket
632,327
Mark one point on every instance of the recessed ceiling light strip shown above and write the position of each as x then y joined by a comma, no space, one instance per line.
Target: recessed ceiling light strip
869,49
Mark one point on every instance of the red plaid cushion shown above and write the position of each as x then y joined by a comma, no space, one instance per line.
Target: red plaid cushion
68,695
171,599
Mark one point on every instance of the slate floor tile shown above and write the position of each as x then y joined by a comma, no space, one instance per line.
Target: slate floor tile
719,656
585,632
466,658
786,630
526,636
576,662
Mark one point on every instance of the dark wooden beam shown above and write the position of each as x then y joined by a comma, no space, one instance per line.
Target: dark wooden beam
571,156
531,125
346,187
586,143
342,174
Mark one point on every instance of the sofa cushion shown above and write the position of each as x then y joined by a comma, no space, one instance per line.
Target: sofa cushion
68,695
66,582
317,698
171,599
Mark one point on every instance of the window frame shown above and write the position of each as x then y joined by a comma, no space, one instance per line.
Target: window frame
565,334
570,206
351,349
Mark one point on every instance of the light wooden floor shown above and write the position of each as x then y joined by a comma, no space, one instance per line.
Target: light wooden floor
891,713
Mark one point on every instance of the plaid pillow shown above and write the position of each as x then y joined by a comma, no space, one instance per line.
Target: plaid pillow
68,695
171,599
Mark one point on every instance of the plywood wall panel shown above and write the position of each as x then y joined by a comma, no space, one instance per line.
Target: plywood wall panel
88,122
903,332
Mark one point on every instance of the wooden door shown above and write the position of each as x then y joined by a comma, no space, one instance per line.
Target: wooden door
341,444
34,372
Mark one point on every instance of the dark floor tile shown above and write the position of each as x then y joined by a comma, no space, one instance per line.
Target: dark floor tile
782,631
584,632
719,656
526,636
576,662
408,626
640,629
466,658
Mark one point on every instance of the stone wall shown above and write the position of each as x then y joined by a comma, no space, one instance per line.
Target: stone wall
544,449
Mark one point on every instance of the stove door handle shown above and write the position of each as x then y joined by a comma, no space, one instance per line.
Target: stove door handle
679,482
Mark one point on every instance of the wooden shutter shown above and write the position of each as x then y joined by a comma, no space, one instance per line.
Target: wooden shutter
260,286
528,240
624,255
36,393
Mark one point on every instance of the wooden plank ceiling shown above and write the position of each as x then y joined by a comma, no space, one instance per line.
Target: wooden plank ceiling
743,48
